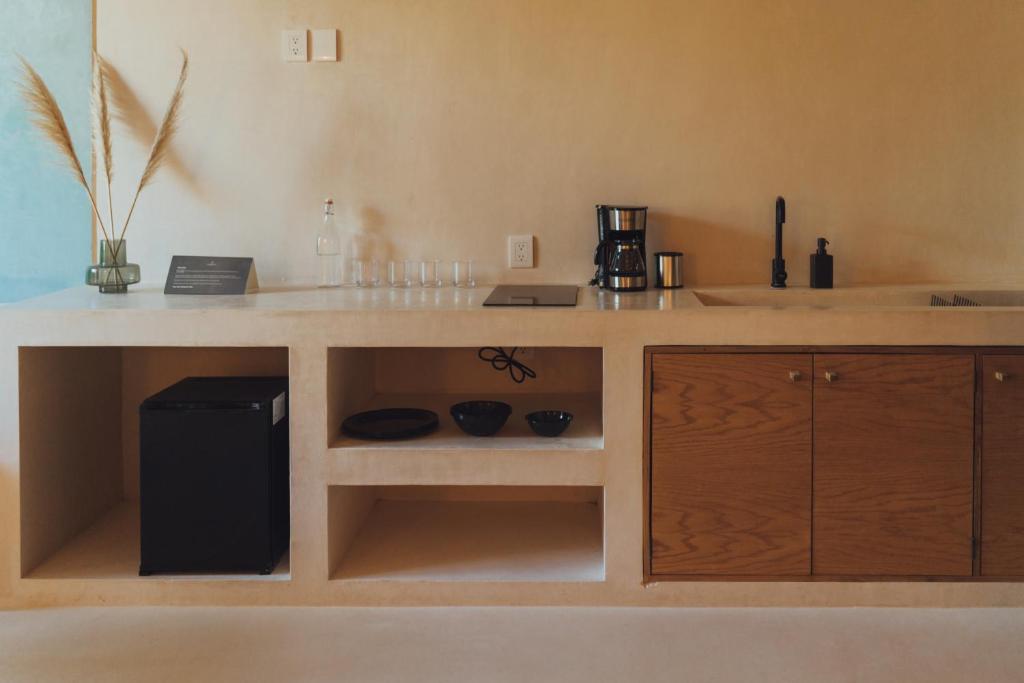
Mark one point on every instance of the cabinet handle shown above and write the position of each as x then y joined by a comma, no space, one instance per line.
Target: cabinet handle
795,375
831,376
1001,376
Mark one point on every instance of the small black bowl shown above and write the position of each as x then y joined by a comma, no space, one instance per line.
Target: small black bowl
481,418
549,423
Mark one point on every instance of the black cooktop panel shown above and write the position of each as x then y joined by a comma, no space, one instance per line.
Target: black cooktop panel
533,295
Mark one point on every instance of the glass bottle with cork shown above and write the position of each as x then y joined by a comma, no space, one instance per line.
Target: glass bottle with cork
328,248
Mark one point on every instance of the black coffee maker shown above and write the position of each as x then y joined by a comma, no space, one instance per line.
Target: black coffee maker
621,256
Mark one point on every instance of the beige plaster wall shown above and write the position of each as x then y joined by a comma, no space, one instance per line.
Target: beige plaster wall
894,128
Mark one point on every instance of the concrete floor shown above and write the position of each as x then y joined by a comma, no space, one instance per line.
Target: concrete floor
511,644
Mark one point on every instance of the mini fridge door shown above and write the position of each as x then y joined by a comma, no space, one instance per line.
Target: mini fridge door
205,490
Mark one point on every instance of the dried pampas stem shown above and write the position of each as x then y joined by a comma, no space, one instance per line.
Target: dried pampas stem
162,141
101,112
49,120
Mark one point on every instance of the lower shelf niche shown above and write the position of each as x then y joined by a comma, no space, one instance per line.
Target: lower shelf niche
109,549
79,451
466,533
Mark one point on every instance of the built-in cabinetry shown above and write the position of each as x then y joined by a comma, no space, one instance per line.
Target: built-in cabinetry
835,463
453,508
78,415
731,464
1002,465
448,507
893,464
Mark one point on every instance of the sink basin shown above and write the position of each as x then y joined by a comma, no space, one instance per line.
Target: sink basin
862,297
992,297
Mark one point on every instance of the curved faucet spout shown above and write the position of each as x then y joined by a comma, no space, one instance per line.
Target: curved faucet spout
778,263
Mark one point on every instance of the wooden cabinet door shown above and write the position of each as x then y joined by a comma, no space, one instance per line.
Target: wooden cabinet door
1002,466
731,464
893,465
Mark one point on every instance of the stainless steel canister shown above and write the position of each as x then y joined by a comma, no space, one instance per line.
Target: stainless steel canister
668,269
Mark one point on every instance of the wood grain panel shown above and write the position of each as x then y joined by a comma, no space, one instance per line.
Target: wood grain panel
1002,467
731,465
893,465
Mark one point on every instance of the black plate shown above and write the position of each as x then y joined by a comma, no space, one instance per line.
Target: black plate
390,424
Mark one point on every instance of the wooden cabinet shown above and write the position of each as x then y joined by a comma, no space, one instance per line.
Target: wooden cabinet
1002,466
828,464
893,464
731,464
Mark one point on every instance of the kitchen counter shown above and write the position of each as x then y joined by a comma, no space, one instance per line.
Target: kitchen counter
73,366
446,299
448,317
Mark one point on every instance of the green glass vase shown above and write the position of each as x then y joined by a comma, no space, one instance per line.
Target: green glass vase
113,273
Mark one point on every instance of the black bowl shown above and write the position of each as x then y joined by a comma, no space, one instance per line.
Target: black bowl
549,423
481,418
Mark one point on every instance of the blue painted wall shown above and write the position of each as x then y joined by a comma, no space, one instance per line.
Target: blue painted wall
45,223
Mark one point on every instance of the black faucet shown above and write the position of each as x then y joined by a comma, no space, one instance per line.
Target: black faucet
778,263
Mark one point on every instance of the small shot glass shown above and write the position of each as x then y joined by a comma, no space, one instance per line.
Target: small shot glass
398,274
462,274
430,274
367,272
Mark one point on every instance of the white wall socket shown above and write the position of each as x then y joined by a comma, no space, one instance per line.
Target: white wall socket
520,251
294,46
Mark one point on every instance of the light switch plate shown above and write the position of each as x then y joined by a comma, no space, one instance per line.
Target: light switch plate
325,45
294,46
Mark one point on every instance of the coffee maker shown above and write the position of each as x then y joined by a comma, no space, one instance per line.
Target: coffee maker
621,255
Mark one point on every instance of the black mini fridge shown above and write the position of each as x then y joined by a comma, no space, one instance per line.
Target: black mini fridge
214,476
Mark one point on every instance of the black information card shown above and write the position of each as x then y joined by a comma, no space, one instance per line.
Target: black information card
211,275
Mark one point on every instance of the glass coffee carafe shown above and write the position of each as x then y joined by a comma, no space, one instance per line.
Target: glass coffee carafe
626,268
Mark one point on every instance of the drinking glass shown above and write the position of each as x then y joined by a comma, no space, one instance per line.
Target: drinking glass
462,274
398,274
412,273
347,268
367,272
430,273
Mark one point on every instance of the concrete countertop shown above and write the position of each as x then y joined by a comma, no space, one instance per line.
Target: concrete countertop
444,299
734,316
906,297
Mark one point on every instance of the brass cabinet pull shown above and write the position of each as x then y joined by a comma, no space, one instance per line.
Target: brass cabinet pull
1001,376
795,375
831,376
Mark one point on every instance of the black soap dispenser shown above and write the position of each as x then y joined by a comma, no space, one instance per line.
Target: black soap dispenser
821,267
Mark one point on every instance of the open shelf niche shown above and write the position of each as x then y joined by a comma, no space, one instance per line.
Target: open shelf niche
79,450
436,378
466,533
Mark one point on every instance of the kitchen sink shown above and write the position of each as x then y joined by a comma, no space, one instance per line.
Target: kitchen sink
859,297
979,298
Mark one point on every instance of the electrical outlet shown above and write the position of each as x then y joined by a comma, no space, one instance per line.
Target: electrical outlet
294,46
520,251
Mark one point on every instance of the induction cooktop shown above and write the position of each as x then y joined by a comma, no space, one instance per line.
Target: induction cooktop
533,295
